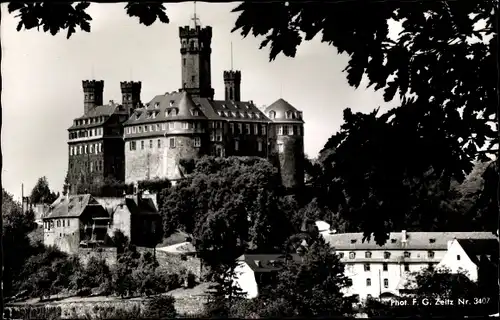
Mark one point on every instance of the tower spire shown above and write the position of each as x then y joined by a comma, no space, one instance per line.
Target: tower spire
195,17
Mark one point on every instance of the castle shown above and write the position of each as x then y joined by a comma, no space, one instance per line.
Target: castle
133,141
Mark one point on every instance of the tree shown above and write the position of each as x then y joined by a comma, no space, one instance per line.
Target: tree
67,185
160,307
41,192
95,274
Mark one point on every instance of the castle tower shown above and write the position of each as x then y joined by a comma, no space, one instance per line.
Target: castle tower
131,95
286,133
195,54
93,91
185,134
232,84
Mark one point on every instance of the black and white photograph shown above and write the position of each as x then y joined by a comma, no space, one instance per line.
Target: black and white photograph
255,159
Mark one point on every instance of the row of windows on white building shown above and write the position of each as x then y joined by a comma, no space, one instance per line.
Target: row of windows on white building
60,223
143,144
387,255
90,165
85,133
85,149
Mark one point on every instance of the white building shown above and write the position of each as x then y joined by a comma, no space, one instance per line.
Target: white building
375,270
473,256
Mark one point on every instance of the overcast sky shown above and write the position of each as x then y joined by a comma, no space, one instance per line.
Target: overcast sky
42,80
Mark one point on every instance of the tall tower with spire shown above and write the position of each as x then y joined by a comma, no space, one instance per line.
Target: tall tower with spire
195,54
232,82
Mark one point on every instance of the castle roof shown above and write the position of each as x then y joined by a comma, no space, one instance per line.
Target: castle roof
415,240
477,248
284,112
70,207
244,111
98,111
266,262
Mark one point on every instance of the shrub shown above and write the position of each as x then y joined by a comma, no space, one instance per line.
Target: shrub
32,312
160,307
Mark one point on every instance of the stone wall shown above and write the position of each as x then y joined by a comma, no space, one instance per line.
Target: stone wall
66,238
147,163
108,254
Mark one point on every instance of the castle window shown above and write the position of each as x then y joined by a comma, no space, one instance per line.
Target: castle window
231,127
68,223
96,148
407,267
172,102
171,143
91,148
212,136
285,130
247,128
280,130
80,149
256,129
240,128
236,145
151,128
70,151
231,94
132,145
85,149
406,254
134,129
197,142
384,266
387,255
368,282
100,147
291,130
139,129
185,125
164,126
150,144
142,145
159,143
196,113
367,267
171,125
352,255
386,283
91,132
259,146
167,114
192,78
264,128
430,254
145,128
272,114
91,168
157,127
219,135
58,223
368,254
184,61
295,130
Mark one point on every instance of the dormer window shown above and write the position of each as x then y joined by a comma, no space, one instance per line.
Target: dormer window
157,104
233,114
352,255
368,254
257,116
155,114
432,240
393,240
172,102
353,240
219,113
258,263
387,255
407,254
224,106
196,113
272,114
287,114
299,115
247,106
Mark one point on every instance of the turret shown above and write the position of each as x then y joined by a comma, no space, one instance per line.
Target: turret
93,91
131,95
232,84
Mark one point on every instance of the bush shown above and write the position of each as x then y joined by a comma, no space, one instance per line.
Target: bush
31,312
160,307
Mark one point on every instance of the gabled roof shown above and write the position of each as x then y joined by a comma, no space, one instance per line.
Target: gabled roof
415,240
478,248
230,110
70,207
281,107
105,110
265,262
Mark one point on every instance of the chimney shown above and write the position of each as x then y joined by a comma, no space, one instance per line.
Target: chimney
404,236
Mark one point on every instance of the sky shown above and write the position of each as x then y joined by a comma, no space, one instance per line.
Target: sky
42,80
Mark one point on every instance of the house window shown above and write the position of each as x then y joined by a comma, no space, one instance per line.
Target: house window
150,144
352,255
64,223
91,166
231,127
431,266
406,254
219,135
159,143
430,254
256,129
145,128
368,282
285,130
263,127
196,113
386,283
157,127
132,145
197,142
240,128
58,223
185,125
272,114
100,145
247,128
171,125
163,126
142,144
384,266
68,222
91,148
192,78
236,145
280,130
387,255
368,254
134,129
291,130
259,146
458,257
407,267
367,267
171,143
70,151
341,255
184,61
151,128
85,149
139,129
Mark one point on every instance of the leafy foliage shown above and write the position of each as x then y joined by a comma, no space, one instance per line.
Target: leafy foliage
95,275
41,192
160,307
154,185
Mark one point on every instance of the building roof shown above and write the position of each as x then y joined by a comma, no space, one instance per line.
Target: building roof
478,248
228,110
70,207
415,240
281,107
95,112
265,262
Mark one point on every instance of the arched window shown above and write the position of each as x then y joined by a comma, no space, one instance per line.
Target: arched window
272,114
